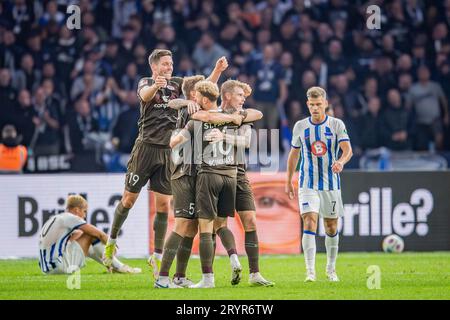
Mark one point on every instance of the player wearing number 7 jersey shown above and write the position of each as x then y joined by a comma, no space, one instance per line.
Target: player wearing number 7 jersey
318,140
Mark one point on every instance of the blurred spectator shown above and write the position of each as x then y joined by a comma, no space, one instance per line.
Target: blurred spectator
405,82
49,73
130,79
141,61
295,113
25,117
336,61
348,96
51,14
186,67
324,35
270,90
425,99
88,83
370,125
395,123
23,15
369,91
66,53
125,130
27,77
309,80
46,137
167,35
123,9
8,96
207,52
289,77
108,105
9,50
80,124
383,70
13,156
388,47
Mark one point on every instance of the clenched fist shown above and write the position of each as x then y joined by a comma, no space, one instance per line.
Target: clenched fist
160,82
222,64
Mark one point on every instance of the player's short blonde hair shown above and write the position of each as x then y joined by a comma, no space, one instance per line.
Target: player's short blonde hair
229,85
316,92
75,201
208,89
189,84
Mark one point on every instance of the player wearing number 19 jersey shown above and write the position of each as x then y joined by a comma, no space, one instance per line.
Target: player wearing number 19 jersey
316,141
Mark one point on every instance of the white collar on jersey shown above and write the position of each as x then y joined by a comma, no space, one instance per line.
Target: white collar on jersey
318,124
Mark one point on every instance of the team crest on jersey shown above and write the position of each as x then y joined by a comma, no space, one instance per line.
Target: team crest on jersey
318,148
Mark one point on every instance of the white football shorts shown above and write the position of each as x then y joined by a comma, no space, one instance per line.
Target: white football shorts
72,260
328,204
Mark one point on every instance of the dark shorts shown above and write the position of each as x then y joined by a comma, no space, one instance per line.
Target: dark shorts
149,162
215,196
183,190
244,194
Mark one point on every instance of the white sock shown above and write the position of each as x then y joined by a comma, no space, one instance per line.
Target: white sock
158,256
208,277
96,253
163,279
234,260
332,245
111,240
309,250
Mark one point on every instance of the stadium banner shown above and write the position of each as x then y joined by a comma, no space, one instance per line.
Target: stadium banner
413,205
28,201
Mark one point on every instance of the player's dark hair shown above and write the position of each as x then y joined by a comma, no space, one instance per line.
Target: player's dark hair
157,54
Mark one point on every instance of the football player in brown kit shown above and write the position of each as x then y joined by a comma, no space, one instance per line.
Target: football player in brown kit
216,177
179,242
233,94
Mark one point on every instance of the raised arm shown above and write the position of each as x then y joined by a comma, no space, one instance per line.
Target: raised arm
221,66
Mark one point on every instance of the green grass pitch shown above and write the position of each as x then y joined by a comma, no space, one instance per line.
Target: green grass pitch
403,276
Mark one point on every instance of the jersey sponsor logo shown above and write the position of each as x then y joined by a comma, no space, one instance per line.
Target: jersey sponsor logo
318,148
161,105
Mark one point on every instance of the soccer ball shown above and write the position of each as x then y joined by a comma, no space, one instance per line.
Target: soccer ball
393,243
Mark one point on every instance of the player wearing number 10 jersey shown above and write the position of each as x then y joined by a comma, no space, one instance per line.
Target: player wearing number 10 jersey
317,141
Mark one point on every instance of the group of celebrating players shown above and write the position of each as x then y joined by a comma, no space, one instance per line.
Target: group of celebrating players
194,150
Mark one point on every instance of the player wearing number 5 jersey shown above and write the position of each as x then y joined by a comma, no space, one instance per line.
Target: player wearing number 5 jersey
317,141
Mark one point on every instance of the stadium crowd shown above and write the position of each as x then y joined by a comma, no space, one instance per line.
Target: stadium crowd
71,91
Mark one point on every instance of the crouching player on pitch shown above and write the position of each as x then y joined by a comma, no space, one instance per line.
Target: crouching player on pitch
318,139
66,240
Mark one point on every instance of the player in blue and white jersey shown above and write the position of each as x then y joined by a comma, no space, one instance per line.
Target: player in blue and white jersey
317,141
66,239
